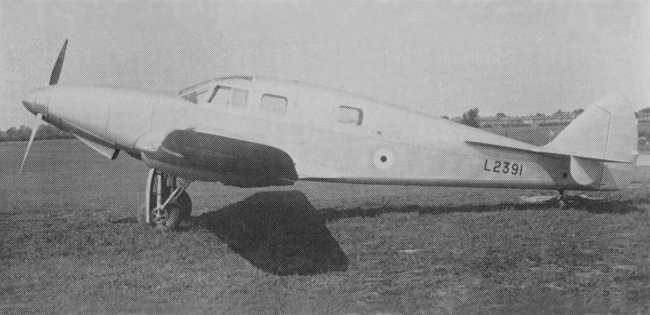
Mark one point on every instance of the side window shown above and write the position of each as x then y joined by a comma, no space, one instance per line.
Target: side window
273,104
221,95
239,98
349,115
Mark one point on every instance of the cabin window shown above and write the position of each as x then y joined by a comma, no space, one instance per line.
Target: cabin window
274,104
350,115
239,98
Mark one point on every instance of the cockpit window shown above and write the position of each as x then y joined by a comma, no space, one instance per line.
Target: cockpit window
228,96
221,95
190,97
197,96
239,98
201,92
197,93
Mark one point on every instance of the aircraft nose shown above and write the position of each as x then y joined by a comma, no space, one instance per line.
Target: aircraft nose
29,100
37,101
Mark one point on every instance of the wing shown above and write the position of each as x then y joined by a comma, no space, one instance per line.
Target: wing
231,160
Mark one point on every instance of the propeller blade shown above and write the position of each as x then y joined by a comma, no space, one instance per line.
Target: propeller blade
37,123
54,78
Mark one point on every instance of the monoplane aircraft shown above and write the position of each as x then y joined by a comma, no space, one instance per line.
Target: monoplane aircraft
250,131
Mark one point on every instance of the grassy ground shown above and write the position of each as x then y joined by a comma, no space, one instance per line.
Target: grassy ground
70,244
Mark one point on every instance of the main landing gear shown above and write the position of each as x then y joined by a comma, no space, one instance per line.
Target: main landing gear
166,201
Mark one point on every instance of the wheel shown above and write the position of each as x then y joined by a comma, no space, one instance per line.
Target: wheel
185,202
168,218
185,208
159,187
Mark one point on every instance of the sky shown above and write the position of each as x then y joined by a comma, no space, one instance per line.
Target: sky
439,57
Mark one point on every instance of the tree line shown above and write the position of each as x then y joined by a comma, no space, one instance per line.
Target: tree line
44,132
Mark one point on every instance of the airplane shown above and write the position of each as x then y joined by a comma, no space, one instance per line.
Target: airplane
250,131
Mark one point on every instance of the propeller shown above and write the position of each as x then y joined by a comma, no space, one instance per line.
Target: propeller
37,123
54,79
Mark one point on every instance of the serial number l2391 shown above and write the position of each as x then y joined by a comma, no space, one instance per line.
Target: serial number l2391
503,167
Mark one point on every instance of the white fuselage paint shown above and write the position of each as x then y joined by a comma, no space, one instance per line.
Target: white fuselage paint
392,145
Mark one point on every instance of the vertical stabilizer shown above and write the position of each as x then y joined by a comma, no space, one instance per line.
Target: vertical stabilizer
607,130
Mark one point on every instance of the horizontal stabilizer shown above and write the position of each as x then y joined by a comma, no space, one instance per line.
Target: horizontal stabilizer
524,147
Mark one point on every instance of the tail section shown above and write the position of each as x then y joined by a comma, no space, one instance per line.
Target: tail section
602,143
607,130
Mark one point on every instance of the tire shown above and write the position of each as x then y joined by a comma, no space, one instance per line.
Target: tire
185,203
171,218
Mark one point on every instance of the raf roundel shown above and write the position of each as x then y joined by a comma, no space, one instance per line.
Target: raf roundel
384,159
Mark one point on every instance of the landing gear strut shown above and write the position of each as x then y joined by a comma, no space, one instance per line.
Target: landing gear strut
166,201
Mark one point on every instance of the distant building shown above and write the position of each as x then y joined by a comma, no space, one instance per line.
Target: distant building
495,122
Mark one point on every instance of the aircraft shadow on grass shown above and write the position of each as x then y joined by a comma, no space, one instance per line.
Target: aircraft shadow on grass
278,232
281,232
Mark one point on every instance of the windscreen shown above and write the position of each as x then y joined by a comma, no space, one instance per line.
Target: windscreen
197,93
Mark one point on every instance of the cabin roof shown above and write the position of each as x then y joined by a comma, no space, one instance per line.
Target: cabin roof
294,83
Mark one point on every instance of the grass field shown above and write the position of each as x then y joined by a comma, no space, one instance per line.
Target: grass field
70,244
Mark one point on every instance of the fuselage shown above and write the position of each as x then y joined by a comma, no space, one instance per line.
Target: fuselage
330,135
